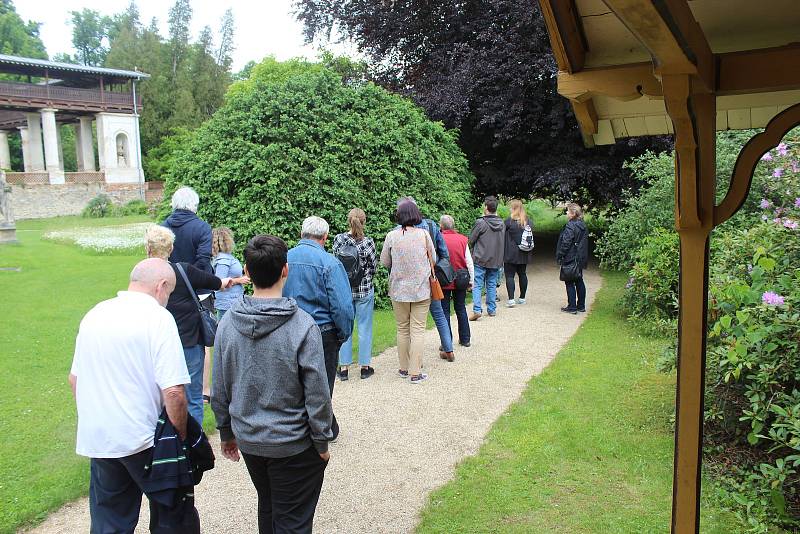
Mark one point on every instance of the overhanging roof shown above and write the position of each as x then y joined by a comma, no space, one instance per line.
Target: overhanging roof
65,71
746,52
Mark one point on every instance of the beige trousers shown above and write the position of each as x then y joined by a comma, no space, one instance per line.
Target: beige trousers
410,318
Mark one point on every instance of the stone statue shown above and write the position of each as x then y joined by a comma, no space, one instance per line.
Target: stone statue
121,161
6,215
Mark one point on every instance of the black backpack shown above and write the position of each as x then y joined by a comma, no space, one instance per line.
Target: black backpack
350,258
443,269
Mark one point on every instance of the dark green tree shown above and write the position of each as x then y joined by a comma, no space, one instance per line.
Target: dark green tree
17,37
180,19
90,36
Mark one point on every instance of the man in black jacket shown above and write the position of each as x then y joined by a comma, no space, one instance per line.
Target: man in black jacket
192,234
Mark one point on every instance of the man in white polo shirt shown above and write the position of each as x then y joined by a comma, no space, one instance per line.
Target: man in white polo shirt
129,364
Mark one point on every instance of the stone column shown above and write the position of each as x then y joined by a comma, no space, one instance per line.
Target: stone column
60,147
35,152
78,148
85,145
5,154
101,143
50,133
26,150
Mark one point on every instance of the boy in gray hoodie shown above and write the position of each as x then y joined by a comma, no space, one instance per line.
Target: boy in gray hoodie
487,242
270,393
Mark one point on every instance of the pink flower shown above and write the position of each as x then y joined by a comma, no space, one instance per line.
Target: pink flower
777,220
795,168
764,204
797,202
772,299
782,149
777,173
767,157
790,224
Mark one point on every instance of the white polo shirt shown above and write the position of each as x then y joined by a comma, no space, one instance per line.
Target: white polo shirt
128,350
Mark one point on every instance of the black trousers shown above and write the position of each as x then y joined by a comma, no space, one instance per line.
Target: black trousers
115,497
330,346
520,270
459,300
288,490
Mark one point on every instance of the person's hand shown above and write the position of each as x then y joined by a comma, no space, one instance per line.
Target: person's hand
325,455
242,280
230,450
226,283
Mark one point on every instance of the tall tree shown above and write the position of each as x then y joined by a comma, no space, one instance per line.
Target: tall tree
89,36
17,37
127,20
486,68
226,46
180,19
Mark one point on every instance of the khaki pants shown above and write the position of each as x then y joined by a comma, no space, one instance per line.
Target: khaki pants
410,317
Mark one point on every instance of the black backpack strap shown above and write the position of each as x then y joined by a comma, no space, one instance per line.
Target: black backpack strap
189,286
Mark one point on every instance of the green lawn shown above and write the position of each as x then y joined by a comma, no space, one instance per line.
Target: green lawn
588,448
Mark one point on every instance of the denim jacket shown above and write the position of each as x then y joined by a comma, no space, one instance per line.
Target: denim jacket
226,265
319,284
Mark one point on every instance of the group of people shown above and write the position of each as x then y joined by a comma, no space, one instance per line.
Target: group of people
277,351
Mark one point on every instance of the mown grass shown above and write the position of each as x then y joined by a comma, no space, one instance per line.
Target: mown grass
588,447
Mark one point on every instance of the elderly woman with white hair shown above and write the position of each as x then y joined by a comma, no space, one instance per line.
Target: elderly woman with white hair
192,234
181,304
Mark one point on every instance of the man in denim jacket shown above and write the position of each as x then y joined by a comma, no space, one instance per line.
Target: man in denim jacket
319,284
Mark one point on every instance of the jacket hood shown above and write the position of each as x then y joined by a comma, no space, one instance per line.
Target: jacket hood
494,222
256,317
180,217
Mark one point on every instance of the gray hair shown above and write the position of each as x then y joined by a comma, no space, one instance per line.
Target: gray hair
185,198
406,199
447,222
314,228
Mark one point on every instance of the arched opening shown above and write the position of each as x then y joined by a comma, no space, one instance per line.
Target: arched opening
123,159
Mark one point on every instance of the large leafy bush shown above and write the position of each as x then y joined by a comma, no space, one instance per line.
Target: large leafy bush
295,140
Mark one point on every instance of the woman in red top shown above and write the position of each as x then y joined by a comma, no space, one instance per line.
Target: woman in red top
461,260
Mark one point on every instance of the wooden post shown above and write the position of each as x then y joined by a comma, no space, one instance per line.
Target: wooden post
693,117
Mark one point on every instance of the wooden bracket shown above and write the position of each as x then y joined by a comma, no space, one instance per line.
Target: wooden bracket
677,93
742,176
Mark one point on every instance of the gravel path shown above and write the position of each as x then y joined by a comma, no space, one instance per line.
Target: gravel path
399,442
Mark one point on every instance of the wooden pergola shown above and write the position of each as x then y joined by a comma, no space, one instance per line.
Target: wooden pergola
686,68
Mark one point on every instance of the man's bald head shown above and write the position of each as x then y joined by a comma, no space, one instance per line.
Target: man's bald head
154,277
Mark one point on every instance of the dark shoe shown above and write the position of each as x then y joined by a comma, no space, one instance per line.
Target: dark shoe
206,399
449,356
567,309
582,310
402,374
492,314
465,344
416,379
367,372
342,373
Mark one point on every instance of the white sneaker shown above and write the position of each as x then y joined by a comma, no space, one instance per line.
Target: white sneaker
419,378
520,301
510,303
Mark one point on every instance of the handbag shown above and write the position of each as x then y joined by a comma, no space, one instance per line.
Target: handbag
208,323
443,269
436,287
461,281
570,272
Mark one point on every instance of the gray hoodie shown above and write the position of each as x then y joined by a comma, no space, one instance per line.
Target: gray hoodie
270,389
487,241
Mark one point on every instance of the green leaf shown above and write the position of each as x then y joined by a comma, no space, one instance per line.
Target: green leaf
725,320
752,438
768,264
742,316
779,501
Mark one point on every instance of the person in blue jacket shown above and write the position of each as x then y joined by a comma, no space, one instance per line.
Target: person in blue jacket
318,282
192,234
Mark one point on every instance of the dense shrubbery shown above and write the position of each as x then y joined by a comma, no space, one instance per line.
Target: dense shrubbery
295,140
102,206
753,367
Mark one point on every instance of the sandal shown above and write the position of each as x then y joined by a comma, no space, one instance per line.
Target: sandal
206,399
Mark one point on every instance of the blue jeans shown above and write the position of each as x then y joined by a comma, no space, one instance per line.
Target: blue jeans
487,276
442,325
459,299
195,357
364,308
576,289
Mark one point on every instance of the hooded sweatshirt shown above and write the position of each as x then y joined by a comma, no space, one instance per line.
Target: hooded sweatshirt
270,389
487,241
192,239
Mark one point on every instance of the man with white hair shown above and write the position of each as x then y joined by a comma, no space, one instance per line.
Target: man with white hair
319,284
128,365
192,234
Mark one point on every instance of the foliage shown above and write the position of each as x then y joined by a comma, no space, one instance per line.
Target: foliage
17,37
102,206
294,140
651,296
533,475
487,69
90,36
161,157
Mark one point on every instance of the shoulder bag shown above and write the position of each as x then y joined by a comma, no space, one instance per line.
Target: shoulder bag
208,323
436,287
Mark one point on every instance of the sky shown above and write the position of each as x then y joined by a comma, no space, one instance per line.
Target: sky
263,27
